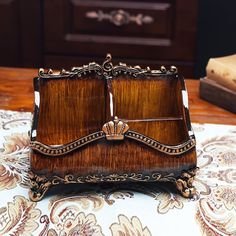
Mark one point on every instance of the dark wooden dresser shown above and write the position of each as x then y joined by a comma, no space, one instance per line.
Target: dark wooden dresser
74,32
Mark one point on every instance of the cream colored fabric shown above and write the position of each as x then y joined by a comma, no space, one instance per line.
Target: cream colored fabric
127,209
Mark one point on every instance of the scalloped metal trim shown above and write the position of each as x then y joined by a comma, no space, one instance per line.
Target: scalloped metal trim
59,150
167,149
39,185
107,70
55,151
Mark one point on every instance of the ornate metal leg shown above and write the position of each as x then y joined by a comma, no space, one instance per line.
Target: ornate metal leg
38,186
185,183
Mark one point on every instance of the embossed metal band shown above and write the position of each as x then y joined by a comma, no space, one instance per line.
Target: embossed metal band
119,17
168,149
60,150
39,184
107,70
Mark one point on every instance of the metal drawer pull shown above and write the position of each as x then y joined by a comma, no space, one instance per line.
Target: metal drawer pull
119,17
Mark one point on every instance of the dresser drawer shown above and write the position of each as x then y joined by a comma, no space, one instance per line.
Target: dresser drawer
118,18
162,30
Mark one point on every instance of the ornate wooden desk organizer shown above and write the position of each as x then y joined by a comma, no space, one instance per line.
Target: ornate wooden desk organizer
105,123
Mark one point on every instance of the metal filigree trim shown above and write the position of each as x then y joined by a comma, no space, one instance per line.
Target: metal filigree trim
39,185
59,150
107,70
185,183
119,17
168,149
113,178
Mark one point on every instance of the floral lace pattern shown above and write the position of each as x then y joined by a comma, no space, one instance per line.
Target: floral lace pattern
136,209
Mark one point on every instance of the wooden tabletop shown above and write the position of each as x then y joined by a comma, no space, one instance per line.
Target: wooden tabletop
16,93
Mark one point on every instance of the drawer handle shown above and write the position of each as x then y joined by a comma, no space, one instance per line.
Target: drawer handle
119,17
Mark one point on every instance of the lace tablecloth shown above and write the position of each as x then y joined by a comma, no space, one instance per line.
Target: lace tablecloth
127,210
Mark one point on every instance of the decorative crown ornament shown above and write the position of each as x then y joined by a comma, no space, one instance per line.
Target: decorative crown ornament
115,129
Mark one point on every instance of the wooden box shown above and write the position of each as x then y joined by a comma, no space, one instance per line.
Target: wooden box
105,123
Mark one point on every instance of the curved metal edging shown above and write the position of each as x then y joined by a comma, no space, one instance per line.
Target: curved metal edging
60,150
172,150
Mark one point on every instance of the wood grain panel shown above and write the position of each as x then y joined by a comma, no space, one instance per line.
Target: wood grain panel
132,101
163,100
9,36
20,35
120,157
167,132
70,108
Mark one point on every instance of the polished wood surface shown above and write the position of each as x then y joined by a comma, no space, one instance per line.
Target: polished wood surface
16,93
104,158
76,106
70,109
163,99
68,105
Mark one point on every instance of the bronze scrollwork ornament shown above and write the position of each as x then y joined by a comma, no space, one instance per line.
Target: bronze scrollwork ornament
106,123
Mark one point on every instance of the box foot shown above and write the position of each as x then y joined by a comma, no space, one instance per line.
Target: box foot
39,185
185,183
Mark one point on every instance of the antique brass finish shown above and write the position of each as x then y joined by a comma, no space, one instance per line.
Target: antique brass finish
115,129
119,17
60,150
107,69
185,183
41,184
168,149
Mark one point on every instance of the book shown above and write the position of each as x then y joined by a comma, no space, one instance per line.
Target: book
223,71
218,94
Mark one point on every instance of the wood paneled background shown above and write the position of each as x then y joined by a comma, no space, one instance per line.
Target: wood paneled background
62,33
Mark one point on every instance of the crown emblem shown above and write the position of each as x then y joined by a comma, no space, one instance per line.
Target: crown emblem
115,129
